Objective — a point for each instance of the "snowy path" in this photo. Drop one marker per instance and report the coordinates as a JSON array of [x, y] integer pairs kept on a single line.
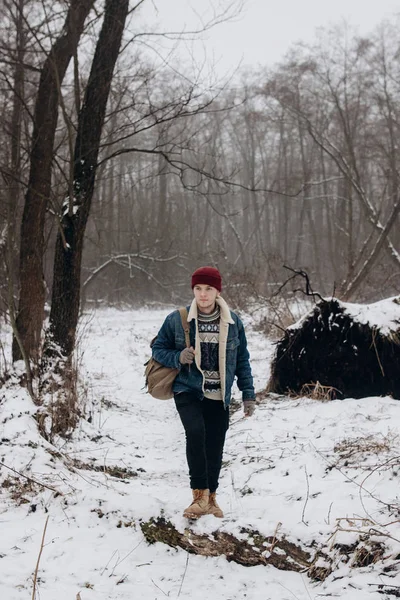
[[277, 475]]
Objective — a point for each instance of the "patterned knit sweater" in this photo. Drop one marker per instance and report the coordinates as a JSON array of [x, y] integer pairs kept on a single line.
[[209, 344]]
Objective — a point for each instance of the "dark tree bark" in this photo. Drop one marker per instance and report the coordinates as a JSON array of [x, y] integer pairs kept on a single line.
[[13, 181], [32, 290], [69, 246]]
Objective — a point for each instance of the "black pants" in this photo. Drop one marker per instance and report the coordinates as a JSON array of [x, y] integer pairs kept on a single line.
[[206, 423]]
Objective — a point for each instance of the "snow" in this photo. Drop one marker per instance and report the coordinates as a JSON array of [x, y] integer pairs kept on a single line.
[[383, 315], [318, 473]]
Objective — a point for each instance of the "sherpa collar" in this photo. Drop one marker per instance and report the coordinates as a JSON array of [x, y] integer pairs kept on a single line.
[[225, 312]]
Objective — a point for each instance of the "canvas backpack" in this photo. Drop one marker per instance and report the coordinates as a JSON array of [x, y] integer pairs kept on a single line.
[[160, 379]]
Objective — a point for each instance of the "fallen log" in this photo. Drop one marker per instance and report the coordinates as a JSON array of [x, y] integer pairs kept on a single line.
[[252, 551]]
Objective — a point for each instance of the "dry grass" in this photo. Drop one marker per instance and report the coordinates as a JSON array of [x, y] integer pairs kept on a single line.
[[354, 451], [366, 549], [62, 399], [317, 391], [367, 553], [19, 490], [111, 470]]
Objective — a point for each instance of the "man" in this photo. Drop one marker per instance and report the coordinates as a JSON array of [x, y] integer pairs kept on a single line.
[[202, 388]]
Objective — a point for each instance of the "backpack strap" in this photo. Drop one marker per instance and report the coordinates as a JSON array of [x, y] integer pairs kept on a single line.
[[184, 315]]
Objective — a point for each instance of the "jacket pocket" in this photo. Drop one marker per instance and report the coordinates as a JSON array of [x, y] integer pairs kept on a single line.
[[232, 344]]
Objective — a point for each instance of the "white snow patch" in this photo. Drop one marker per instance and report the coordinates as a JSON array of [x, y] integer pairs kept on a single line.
[[285, 470], [384, 315]]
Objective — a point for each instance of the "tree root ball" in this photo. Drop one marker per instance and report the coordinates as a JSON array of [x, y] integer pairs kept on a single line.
[[341, 350]]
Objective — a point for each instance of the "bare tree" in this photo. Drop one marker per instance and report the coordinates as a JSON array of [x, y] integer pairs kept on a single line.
[[30, 315], [67, 263], [330, 94]]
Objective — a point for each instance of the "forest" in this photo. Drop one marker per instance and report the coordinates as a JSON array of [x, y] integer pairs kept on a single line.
[[126, 163], [120, 174]]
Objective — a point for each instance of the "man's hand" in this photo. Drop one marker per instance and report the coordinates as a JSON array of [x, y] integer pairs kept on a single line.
[[249, 406], [186, 357]]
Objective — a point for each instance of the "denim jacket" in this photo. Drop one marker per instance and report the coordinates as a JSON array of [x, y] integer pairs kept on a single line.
[[233, 353]]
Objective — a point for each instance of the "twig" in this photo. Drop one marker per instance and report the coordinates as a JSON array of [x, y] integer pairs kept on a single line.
[[279, 524], [48, 487], [390, 523], [390, 585], [382, 533], [308, 495], [371, 531], [287, 589], [184, 574], [112, 556], [306, 588], [327, 520], [122, 559], [308, 291], [38, 559], [158, 587], [374, 333], [361, 486]]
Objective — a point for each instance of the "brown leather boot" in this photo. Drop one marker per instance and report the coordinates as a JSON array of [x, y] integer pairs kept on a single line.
[[213, 508], [199, 505]]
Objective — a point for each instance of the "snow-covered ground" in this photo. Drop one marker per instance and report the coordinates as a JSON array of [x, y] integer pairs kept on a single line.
[[323, 475]]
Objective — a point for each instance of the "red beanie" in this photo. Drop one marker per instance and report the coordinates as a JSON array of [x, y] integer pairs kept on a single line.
[[207, 276]]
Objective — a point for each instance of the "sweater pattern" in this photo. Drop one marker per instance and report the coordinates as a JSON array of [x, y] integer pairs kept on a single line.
[[208, 326]]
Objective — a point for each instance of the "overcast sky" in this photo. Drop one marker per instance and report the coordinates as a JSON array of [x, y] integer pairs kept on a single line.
[[264, 30]]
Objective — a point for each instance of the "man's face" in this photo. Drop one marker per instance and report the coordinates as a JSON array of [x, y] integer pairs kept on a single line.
[[205, 297]]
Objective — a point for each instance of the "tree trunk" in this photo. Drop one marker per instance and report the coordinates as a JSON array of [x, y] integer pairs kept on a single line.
[[68, 257], [252, 549], [14, 187], [32, 245]]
